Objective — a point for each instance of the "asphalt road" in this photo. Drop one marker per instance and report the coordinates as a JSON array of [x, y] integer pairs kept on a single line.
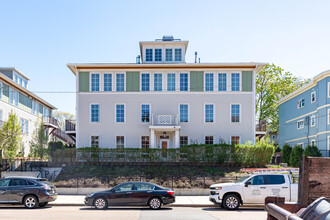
[[81, 213]]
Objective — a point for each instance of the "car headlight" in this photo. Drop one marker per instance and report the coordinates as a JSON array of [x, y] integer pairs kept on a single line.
[[90, 195], [218, 188]]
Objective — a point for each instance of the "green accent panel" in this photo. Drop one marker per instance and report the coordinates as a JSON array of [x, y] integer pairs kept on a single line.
[[5, 93], [196, 81], [247, 81], [83, 81], [25, 103], [132, 81]]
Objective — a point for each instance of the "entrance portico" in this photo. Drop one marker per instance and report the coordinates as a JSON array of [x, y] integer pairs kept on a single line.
[[161, 136]]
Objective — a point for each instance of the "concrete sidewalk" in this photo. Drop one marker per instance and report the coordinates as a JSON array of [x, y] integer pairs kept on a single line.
[[181, 201]]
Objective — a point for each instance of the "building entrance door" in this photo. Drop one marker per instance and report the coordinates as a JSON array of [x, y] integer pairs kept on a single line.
[[164, 145]]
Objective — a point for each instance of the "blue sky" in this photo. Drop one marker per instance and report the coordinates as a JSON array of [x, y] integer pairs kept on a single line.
[[41, 37]]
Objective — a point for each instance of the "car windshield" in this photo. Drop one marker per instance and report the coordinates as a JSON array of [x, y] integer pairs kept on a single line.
[[242, 179]]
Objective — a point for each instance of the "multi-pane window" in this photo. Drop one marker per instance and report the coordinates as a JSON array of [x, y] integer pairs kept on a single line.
[[235, 113], [209, 113], [235, 82], [145, 113], [148, 54], [300, 124], [120, 142], [313, 97], [183, 113], [95, 141], [313, 121], [208, 140], [20, 81], [301, 103], [145, 142], [16, 98], [107, 82], [95, 84], [171, 82], [222, 82], [16, 78], [95, 113], [24, 125], [120, 113], [34, 110], [183, 81], [209, 82], [158, 54], [120, 82], [11, 96], [158, 82], [178, 54], [169, 54], [24, 83], [234, 140], [145, 82], [183, 141]]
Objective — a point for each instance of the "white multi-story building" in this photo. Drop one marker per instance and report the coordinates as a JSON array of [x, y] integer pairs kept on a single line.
[[29, 108], [164, 102]]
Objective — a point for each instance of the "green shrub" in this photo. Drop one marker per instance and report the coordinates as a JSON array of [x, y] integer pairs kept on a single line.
[[286, 153], [277, 149], [296, 155], [312, 151]]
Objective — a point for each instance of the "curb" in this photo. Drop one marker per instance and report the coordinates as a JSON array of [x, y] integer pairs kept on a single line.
[[173, 205]]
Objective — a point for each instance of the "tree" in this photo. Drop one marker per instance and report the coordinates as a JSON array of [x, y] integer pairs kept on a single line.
[[312, 151], [39, 142], [61, 117], [10, 137], [296, 155], [286, 153], [272, 84]]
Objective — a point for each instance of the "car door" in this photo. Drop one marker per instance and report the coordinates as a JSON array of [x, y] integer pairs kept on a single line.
[[4, 183], [141, 193], [17, 189], [254, 193], [122, 195], [276, 186]]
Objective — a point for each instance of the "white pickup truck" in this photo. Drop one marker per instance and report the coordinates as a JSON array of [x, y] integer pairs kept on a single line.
[[253, 189]]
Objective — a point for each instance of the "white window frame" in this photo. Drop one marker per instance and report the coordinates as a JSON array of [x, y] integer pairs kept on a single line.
[[213, 87], [188, 140], [150, 75], [313, 125], [179, 81], [150, 115], [141, 141], [313, 93], [204, 112], [115, 111], [187, 112], [328, 89], [230, 81], [298, 124], [313, 142], [299, 104], [166, 81], [112, 82], [239, 137], [152, 53], [240, 113], [153, 79], [90, 139], [124, 141], [115, 83], [90, 113], [100, 81], [328, 116], [209, 136], [227, 82]]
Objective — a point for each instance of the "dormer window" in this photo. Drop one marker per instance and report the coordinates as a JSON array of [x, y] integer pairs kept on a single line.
[[158, 54], [169, 54], [178, 54], [148, 54]]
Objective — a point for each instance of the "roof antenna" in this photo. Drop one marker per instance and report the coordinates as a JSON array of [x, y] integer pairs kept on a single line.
[[138, 59], [195, 56]]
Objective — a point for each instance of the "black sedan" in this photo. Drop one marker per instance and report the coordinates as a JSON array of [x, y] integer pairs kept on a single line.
[[132, 194]]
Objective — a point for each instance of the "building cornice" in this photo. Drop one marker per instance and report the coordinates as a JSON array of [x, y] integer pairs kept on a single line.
[[107, 66], [306, 87]]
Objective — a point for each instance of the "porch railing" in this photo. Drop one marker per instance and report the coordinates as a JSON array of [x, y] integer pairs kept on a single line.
[[164, 120]]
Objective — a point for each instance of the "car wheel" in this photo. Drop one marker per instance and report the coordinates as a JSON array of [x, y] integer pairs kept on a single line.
[[31, 202], [43, 204], [100, 203], [231, 202], [155, 203]]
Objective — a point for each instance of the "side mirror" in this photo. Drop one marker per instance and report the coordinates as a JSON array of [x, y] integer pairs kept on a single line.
[[247, 183], [114, 190]]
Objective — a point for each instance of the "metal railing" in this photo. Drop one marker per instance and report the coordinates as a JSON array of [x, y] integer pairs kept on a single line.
[[164, 120], [69, 126], [51, 120], [63, 136]]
